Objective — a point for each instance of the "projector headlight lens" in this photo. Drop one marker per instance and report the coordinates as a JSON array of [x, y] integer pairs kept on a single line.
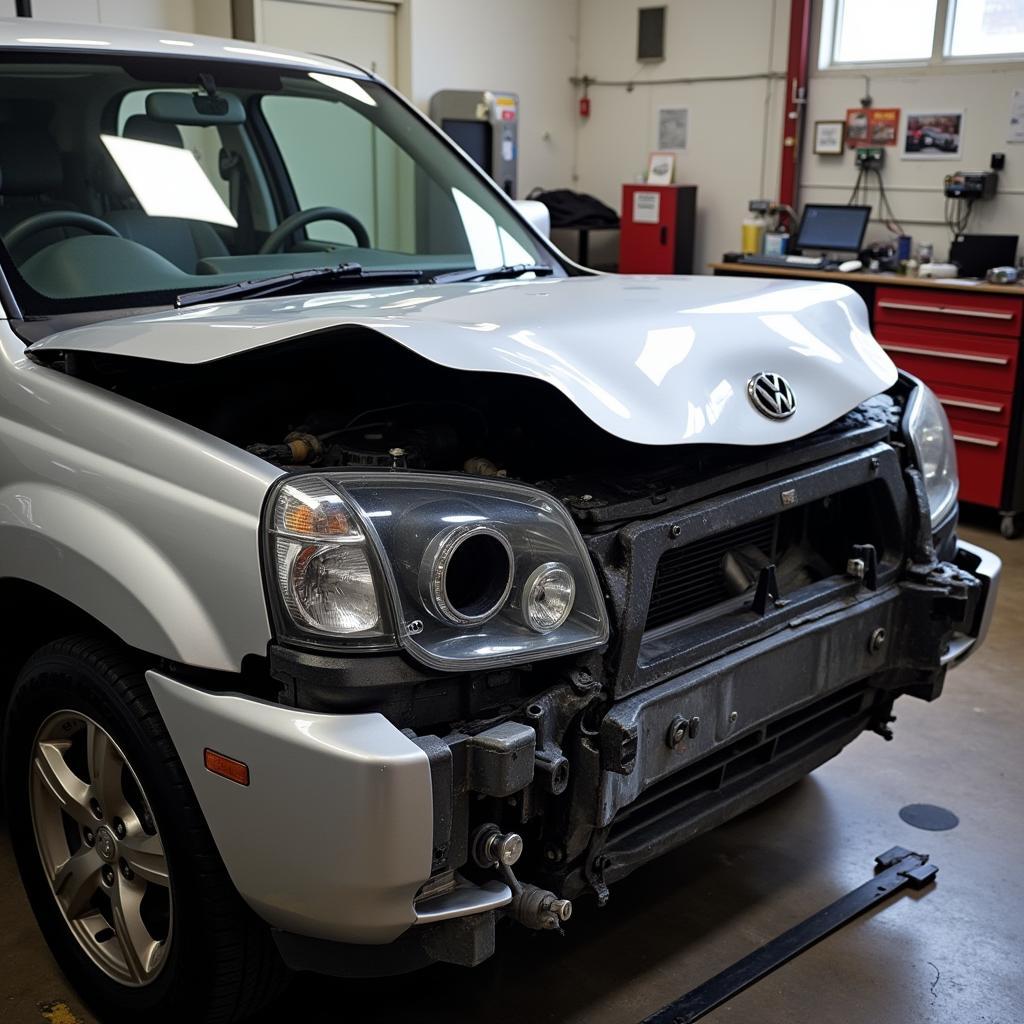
[[548, 597]]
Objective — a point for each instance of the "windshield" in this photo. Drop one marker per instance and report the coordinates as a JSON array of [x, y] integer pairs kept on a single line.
[[125, 182]]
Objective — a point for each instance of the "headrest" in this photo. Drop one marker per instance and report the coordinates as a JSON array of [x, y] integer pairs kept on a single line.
[[29, 161], [146, 129]]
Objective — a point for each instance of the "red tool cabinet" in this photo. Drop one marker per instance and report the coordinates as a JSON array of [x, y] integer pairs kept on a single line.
[[658, 223], [965, 347]]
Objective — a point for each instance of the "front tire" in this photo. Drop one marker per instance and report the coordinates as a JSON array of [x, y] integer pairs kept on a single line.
[[118, 863]]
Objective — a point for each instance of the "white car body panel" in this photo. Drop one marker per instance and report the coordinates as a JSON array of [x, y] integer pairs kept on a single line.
[[652, 360]]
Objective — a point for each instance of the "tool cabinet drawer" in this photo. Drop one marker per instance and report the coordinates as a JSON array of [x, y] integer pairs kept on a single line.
[[990, 408], [981, 460], [974, 361], [935, 309]]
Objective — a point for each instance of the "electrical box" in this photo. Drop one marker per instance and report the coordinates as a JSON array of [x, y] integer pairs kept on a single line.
[[870, 157], [484, 124], [971, 185]]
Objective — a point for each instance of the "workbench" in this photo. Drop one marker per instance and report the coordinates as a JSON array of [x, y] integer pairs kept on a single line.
[[962, 338]]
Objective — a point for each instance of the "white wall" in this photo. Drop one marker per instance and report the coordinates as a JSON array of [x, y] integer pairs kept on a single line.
[[211, 17], [732, 153], [521, 46], [914, 187]]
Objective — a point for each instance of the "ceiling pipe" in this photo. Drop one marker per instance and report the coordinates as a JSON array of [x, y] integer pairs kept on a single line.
[[796, 99]]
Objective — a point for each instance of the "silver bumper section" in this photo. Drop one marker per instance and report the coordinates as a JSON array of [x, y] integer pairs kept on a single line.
[[332, 837], [987, 567]]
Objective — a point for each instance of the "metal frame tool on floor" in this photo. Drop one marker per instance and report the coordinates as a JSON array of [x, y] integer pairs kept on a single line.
[[895, 871]]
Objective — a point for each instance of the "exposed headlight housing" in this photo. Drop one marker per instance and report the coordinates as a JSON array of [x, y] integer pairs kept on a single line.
[[928, 430], [463, 573]]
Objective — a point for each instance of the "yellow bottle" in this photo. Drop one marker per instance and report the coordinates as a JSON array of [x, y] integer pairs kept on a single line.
[[753, 234]]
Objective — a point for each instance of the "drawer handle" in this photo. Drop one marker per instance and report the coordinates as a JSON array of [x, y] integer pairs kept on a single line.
[[961, 403], [939, 353], [984, 442], [984, 314]]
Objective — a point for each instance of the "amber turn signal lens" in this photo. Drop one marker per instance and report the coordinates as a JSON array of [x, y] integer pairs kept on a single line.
[[226, 767]]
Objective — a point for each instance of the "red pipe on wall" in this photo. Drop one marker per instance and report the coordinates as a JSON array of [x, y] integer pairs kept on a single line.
[[796, 98]]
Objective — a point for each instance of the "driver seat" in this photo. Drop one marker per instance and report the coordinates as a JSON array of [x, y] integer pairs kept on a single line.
[[183, 242], [31, 175]]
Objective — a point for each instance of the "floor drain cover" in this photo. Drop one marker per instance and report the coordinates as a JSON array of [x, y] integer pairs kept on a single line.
[[930, 817]]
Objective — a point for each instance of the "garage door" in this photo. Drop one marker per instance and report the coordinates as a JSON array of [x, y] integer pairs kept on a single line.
[[360, 32]]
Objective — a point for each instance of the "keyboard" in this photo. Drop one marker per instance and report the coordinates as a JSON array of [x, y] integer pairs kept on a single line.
[[797, 262]]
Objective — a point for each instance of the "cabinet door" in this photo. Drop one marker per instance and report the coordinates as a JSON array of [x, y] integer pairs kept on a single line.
[[648, 247]]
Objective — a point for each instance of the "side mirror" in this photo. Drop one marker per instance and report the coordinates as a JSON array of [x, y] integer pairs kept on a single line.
[[536, 213]]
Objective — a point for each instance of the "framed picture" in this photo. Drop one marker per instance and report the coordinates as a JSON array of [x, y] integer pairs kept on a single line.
[[661, 168], [933, 136], [828, 137]]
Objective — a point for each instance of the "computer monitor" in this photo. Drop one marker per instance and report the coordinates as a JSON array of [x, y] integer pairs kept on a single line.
[[833, 228]]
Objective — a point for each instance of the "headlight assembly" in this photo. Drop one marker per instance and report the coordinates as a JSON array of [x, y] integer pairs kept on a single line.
[[928, 431], [463, 573]]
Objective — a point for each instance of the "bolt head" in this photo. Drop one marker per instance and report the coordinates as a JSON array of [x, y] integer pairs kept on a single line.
[[107, 874], [119, 828], [89, 837], [126, 871], [733, 715], [877, 640], [675, 530], [678, 731], [510, 849]]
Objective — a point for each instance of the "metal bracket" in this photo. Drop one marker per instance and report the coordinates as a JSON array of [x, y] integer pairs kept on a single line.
[[895, 870]]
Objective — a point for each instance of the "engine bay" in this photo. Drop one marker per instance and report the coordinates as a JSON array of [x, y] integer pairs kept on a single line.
[[354, 400]]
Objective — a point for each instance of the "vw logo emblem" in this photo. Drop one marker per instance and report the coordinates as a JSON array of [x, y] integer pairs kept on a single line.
[[771, 395]]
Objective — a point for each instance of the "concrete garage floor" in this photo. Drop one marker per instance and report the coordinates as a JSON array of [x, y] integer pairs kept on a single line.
[[952, 955]]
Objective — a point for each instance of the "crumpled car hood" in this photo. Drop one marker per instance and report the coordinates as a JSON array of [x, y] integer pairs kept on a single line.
[[654, 360]]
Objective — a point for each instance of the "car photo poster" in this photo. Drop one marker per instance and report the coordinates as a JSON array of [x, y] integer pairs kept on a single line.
[[933, 136]]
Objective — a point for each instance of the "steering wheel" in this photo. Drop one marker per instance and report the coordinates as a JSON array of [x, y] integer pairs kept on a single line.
[[57, 219], [291, 224]]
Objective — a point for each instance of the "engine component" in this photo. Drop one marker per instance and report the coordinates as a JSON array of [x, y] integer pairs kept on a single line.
[[479, 466], [299, 449]]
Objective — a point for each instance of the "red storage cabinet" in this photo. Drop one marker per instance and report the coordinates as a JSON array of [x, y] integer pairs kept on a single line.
[[657, 232], [965, 347]]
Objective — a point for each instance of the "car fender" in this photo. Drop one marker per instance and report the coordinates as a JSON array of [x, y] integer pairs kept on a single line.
[[84, 553], [148, 524]]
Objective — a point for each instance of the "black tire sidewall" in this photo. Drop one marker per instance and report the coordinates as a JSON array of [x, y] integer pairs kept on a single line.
[[54, 682]]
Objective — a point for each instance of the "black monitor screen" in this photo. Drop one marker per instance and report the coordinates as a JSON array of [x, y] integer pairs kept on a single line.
[[836, 228], [473, 136]]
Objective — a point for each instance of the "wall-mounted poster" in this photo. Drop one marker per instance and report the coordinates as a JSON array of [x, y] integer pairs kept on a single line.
[[933, 136], [673, 123], [872, 126], [885, 122]]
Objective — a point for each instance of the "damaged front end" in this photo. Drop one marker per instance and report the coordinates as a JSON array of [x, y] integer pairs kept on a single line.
[[761, 618]]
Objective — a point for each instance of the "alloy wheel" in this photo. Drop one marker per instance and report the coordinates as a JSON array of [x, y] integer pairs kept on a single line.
[[100, 848]]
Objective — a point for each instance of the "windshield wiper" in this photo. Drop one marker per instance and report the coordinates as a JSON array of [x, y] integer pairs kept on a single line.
[[271, 285], [492, 274]]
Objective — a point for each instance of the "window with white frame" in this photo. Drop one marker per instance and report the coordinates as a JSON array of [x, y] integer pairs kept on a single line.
[[895, 32]]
